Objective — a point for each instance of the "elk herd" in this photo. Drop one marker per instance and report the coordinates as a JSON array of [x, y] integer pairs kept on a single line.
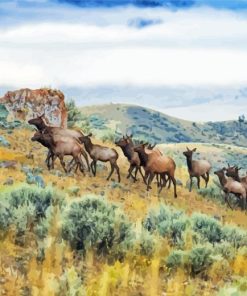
[[61, 142]]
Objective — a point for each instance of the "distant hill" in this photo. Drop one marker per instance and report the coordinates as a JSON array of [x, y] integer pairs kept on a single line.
[[157, 127]]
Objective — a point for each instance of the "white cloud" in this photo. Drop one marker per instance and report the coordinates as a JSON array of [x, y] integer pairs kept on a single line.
[[193, 47]]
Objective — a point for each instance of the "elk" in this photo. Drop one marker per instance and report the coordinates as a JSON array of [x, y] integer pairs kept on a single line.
[[229, 185], [61, 146], [197, 168], [156, 163], [42, 126], [233, 172], [101, 153], [127, 146]]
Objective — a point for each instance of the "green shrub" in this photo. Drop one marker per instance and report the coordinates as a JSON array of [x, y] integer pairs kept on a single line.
[[167, 222], [5, 218], [211, 192], [93, 223], [27, 209], [234, 235], [147, 244], [176, 258], [226, 250], [200, 259], [209, 228]]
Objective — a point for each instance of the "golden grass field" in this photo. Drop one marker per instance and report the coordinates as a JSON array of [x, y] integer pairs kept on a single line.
[[63, 273]]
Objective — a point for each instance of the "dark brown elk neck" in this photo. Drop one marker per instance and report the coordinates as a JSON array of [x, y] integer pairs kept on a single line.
[[88, 145], [128, 151], [41, 126], [222, 179], [143, 157], [46, 143], [236, 177], [189, 163]]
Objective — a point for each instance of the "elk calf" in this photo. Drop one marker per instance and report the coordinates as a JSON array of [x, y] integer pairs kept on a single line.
[[101, 153], [197, 168]]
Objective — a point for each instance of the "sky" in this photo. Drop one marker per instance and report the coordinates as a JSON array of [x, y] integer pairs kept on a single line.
[[186, 58]]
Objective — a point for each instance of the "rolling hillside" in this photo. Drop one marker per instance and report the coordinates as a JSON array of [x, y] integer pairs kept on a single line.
[[157, 127]]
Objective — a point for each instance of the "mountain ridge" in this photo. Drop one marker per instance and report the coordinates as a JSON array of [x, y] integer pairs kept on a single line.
[[158, 127]]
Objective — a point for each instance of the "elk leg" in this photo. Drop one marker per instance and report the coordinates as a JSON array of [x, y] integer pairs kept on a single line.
[[227, 200], [146, 180], [174, 182], [143, 177], [62, 163], [150, 179], [118, 172], [170, 181], [47, 161], [158, 180], [71, 165], [54, 157], [92, 168], [83, 152], [206, 178], [190, 184], [80, 164], [111, 172], [207, 175], [131, 168], [198, 182]]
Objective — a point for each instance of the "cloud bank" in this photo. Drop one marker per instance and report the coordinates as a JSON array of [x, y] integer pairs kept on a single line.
[[123, 47]]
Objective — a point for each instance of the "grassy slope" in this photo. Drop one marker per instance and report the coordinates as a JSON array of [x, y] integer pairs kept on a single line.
[[132, 198], [161, 128]]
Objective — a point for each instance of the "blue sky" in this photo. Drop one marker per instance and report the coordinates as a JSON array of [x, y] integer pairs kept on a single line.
[[178, 56]]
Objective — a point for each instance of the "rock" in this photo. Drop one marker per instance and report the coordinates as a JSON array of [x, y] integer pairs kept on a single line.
[[24, 104], [9, 181], [39, 181], [8, 164], [4, 142]]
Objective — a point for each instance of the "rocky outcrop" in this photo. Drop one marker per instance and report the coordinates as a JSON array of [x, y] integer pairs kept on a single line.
[[25, 104]]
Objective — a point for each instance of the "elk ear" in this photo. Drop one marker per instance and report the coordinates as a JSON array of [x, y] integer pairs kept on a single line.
[[90, 135], [187, 149], [194, 150], [131, 136], [228, 164], [238, 168], [224, 169], [145, 144]]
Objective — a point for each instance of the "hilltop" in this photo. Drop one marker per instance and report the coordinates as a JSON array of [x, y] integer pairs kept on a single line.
[[157, 127]]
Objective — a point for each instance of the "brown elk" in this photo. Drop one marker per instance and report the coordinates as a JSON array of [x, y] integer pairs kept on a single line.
[[156, 163], [127, 146], [197, 168], [42, 126], [229, 185], [61, 146], [233, 172], [101, 153]]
